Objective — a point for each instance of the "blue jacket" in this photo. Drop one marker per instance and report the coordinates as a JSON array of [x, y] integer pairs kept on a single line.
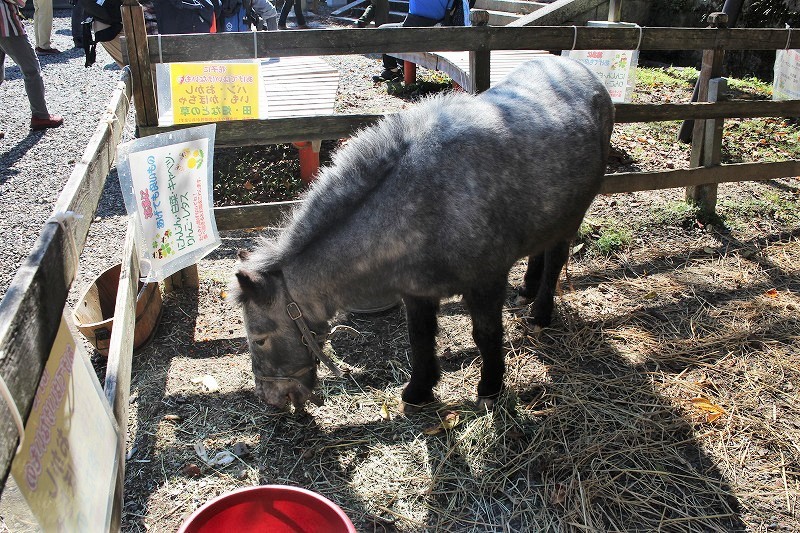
[[432, 9]]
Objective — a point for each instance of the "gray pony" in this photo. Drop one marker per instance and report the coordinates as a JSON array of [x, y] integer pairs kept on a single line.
[[438, 200]]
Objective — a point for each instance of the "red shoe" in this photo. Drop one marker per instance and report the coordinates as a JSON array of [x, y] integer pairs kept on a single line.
[[51, 121], [47, 50]]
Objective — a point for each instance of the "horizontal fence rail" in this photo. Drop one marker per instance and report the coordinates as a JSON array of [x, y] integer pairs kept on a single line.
[[249, 45]]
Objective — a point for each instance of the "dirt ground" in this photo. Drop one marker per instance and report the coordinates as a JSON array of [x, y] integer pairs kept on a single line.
[[663, 397]]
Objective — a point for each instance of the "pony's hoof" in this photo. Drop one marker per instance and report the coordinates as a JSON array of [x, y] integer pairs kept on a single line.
[[411, 408], [486, 404]]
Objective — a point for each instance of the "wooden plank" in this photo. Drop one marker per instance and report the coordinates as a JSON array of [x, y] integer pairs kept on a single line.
[[704, 110], [253, 216], [479, 71], [120, 355], [348, 7], [239, 45], [558, 12], [650, 181], [135, 37], [30, 312], [279, 131]]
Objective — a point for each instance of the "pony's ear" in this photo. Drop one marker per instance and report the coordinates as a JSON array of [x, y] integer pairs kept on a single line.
[[243, 255], [253, 286]]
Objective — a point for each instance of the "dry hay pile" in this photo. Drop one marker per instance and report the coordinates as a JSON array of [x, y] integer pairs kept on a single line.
[[664, 397]]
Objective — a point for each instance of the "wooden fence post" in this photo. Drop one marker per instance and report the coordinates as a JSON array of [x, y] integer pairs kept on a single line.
[[479, 60], [144, 92], [614, 10], [705, 196]]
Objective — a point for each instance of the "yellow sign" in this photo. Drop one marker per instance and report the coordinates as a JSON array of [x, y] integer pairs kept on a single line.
[[68, 463], [206, 92]]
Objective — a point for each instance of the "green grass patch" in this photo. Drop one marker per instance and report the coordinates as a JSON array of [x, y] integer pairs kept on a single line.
[[604, 236]]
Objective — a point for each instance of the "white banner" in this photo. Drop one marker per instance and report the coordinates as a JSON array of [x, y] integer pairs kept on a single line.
[[167, 183], [786, 83]]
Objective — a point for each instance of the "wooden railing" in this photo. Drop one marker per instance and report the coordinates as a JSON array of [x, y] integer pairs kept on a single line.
[[31, 310]]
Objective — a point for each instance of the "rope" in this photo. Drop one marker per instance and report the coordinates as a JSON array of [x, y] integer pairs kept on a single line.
[[575, 37], [788, 37], [61, 218], [12, 407], [639, 44]]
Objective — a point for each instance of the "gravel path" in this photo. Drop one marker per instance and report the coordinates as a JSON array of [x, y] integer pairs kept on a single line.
[[35, 165]]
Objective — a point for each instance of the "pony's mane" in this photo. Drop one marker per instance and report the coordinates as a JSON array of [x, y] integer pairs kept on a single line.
[[359, 167]]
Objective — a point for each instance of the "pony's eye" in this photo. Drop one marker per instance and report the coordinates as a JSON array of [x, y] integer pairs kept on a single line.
[[260, 342]]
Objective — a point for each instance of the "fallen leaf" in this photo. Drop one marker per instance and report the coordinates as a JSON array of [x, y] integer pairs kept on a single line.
[[209, 382], [708, 250], [223, 294], [652, 295], [240, 449], [248, 185], [222, 458], [201, 452], [559, 494], [173, 418], [713, 411], [772, 293], [191, 470], [451, 420], [385, 414], [577, 248]]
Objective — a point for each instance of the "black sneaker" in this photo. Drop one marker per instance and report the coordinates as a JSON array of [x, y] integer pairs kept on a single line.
[[394, 74]]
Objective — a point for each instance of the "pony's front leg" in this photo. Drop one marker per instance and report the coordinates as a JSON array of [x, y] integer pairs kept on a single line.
[[425, 372], [485, 305]]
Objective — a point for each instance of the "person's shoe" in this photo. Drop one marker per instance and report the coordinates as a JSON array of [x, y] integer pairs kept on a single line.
[[281, 26], [51, 121], [301, 26], [393, 74], [47, 50], [360, 23]]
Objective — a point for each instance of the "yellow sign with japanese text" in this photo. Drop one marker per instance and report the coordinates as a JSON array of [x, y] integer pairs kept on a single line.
[[67, 467], [214, 92]]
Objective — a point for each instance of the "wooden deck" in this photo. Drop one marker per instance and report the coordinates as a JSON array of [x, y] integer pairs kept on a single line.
[[300, 86], [456, 64]]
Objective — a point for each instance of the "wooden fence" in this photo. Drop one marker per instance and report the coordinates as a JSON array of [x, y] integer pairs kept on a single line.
[[31, 310]]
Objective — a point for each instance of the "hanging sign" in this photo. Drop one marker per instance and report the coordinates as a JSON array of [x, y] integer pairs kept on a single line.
[[615, 68], [214, 92], [67, 466], [786, 82], [167, 184]]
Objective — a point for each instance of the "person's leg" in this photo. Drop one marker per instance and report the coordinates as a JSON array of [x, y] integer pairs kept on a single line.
[[299, 19], [367, 17], [287, 7], [77, 29], [43, 23], [20, 50]]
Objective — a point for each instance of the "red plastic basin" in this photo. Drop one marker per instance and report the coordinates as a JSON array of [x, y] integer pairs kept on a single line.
[[273, 508]]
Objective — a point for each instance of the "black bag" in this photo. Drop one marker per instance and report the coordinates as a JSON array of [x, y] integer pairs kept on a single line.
[[454, 15], [108, 12]]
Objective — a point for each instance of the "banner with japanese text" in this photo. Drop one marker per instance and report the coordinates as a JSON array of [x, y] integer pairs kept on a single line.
[[786, 82], [214, 92], [167, 183], [67, 466], [615, 68]]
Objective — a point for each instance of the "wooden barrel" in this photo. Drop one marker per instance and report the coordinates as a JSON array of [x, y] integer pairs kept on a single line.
[[94, 315]]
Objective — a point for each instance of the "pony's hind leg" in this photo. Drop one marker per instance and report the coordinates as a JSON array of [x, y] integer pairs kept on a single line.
[[532, 279], [554, 260], [485, 305], [425, 372]]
